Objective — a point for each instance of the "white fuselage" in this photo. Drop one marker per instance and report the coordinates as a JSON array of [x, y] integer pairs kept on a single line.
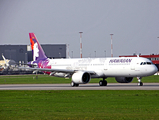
[[108, 67]]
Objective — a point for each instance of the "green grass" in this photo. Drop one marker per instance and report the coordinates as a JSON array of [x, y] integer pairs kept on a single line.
[[109, 104], [31, 79], [45, 79], [46, 105]]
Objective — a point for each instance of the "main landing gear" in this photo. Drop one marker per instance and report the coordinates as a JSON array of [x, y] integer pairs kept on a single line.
[[74, 84], [103, 82], [139, 80]]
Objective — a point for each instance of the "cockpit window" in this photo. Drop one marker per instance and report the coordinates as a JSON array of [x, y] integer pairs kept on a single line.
[[145, 63], [148, 63]]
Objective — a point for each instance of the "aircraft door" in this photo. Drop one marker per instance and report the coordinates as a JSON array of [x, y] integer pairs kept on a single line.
[[132, 66], [105, 65]]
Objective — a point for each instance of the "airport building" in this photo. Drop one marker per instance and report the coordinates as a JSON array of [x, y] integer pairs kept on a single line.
[[154, 58], [23, 53]]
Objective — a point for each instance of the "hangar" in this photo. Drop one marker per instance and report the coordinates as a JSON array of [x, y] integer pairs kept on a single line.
[[23, 53]]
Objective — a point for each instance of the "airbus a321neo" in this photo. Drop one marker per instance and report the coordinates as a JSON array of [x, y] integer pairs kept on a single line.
[[124, 69]]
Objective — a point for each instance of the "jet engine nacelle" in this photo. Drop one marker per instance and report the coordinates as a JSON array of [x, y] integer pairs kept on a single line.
[[58, 74], [81, 77], [124, 79]]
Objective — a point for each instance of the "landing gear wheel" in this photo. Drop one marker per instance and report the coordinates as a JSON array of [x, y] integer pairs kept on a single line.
[[139, 81], [102, 83], [74, 84], [140, 84]]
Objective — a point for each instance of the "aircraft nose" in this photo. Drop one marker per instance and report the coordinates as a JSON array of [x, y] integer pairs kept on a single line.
[[155, 69]]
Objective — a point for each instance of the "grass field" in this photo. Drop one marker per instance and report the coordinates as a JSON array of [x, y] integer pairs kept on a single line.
[[111, 105], [45, 79], [70, 105]]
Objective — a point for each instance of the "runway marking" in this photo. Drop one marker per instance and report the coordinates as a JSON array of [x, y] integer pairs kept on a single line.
[[90, 86]]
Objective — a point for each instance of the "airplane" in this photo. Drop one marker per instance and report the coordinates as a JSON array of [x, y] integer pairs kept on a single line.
[[81, 70], [6, 65]]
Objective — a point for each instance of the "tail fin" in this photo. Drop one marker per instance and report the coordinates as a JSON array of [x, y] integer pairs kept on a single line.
[[5, 61], [37, 50]]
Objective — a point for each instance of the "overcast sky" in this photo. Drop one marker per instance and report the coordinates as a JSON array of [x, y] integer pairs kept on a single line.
[[134, 23]]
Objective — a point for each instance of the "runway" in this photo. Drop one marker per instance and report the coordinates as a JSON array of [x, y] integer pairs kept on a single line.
[[90, 86]]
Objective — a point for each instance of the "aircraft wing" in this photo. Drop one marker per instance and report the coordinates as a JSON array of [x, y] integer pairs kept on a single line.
[[58, 70]]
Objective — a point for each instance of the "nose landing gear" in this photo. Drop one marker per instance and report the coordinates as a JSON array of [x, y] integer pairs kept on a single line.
[[139, 81]]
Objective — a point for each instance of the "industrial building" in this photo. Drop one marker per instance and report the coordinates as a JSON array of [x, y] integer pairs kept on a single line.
[[23, 53]]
